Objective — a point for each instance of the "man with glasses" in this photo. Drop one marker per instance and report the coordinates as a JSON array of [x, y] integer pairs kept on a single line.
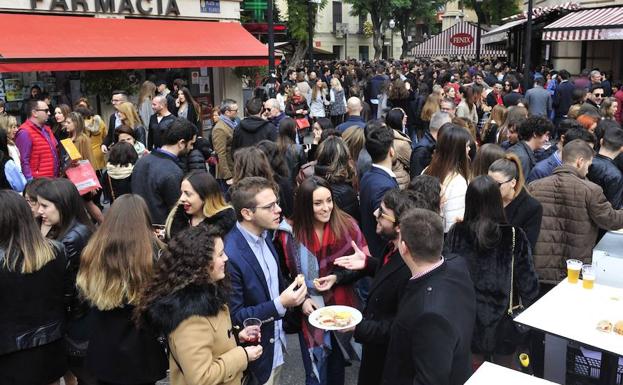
[[36, 143], [593, 101], [448, 106], [258, 287], [494, 98], [273, 112], [222, 136], [118, 97]]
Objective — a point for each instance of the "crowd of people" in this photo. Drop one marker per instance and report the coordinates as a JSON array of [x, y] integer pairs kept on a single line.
[[434, 196]]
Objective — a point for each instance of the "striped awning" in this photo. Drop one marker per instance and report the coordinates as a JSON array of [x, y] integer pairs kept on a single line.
[[501, 33], [587, 24], [456, 41]]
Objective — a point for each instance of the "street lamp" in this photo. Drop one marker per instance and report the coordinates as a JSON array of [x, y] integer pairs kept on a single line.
[[478, 33], [528, 48], [392, 25]]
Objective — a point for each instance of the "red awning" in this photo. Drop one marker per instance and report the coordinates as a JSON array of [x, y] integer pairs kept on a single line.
[[71, 43], [587, 24]]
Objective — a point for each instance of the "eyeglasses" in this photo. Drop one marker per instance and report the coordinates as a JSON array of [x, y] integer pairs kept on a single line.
[[116, 100], [598, 95], [43, 109], [236, 110], [382, 213], [270, 207], [501, 183]]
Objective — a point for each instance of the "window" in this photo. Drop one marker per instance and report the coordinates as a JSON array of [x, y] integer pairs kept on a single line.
[[362, 21], [337, 13], [364, 52], [337, 52]]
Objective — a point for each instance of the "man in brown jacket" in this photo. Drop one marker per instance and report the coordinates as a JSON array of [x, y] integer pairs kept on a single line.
[[574, 209], [222, 135]]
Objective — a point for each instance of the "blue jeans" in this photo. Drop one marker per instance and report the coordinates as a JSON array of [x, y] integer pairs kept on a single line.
[[331, 373]]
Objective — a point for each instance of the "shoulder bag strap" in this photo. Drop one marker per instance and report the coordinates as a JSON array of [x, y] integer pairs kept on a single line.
[[112, 190], [510, 303]]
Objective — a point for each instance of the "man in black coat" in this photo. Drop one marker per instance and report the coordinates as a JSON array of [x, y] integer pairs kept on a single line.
[[114, 121], [391, 276], [253, 129], [563, 97], [423, 151], [604, 171], [159, 122], [431, 335]]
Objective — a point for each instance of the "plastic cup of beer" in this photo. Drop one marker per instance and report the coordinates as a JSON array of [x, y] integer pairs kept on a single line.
[[573, 270], [588, 276]]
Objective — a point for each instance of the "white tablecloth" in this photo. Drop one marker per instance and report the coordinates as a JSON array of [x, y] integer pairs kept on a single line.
[[492, 374], [572, 312]]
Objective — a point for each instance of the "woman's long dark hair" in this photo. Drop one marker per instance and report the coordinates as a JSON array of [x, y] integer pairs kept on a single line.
[[191, 102], [484, 211], [450, 155], [68, 202], [303, 217], [185, 262]]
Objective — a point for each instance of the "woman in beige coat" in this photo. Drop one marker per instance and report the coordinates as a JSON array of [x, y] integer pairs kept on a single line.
[[397, 119], [188, 302]]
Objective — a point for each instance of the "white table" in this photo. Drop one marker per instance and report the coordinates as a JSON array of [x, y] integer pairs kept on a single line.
[[488, 374], [572, 312]]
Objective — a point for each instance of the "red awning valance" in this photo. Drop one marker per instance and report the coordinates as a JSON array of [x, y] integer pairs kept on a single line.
[[87, 43]]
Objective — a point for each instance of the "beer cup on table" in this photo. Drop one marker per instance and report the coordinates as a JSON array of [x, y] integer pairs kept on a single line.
[[588, 276], [253, 326], [573, 270]]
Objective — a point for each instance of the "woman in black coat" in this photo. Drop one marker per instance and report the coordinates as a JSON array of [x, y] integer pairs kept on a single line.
[[33, 283], [113, 270], [63, 216], [497, 254], [201, 204], [334, 165], [521, 209]]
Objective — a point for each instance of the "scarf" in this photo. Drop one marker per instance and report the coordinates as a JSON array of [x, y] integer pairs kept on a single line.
[[231, 123], [313, 262], [119, 172]]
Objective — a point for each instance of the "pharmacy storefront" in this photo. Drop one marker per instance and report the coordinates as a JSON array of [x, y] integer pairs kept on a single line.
[[74, 48]]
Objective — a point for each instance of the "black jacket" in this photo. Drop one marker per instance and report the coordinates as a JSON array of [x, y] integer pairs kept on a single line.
[[491, 273], [251, 131], [606, 174], [224, 219], [511, 99], [156, 178], [422, 154], [157, 129], [525, 155], [431, 334], [109, 139], [193, 161], [373, 332], [563, 98], [119, 352], [344, 195], [45, 292], [526, 213]]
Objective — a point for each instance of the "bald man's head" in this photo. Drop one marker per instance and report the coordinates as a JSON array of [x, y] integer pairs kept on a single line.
[[354, 106]]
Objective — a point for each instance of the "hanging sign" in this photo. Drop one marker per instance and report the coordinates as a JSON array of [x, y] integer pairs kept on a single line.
[[461, 39]]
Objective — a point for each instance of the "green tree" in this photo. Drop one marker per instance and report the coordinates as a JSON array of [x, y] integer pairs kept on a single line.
[[298, 25], [408, 16], [493, 11], [380, 12]]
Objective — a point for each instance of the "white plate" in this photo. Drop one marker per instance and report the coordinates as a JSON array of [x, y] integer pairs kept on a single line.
[[356, 317]]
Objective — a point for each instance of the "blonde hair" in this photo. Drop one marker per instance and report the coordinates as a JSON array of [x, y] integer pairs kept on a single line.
[[355, 139], [430, 107], [131, 116], [25, 249], [336, 84], [116, 265], [6, 121]]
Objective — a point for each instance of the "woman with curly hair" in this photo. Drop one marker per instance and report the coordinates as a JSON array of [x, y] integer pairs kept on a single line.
[[113, 269], [187, 301]]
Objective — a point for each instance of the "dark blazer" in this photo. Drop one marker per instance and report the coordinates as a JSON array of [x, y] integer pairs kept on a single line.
[[526, 213], [563, 98], [119, 352], [110, 135], [250, 297], [431, 334], [374, 184], [422, 154], [525, 155], [373, 332], [157, 129]]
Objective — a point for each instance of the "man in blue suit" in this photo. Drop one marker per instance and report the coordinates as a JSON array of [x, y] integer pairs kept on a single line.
[[258, 288], [376, 182]]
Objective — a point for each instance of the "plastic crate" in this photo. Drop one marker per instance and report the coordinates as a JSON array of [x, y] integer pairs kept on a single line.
[[583, 370]]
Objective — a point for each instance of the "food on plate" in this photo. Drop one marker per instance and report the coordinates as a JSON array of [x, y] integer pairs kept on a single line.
[[604, 326], [329, 317], [618, 327]]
